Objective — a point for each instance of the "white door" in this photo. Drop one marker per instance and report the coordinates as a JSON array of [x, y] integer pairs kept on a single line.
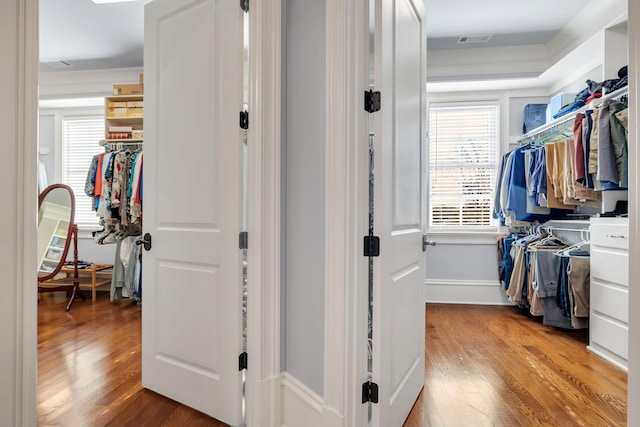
[[400, 141], [192, 276]]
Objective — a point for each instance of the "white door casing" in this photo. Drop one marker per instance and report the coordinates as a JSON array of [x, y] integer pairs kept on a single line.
[[400, 175], [192, 276]]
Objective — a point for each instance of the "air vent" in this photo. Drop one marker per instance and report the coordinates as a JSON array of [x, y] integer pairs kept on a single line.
[[57, 65], [475, 39]]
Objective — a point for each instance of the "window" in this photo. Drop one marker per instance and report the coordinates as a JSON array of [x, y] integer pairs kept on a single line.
[[463, 161], [80, 142]]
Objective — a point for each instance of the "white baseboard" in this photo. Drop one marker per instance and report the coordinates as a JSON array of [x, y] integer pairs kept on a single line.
[[609, 356], [302, 407], [480, 292], [266, 413]]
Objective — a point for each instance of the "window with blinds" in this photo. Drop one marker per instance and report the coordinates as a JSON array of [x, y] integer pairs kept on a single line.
[[463, 160], [80, 142]]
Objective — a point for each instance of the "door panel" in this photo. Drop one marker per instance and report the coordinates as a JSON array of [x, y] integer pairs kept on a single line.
[[407, 78], [192, 276], [399, 302]]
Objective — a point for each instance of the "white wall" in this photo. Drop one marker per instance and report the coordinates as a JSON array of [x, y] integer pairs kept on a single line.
[[581, 83], [304, 129], [46, 145]]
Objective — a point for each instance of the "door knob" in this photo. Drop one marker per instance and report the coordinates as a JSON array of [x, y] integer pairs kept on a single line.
[[145, 242], [426, 242]]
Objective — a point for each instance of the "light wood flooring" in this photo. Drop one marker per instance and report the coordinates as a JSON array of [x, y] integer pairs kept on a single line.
[[496, 366], [485, 366]]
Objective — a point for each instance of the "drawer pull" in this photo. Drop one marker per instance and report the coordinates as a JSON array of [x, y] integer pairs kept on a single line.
[[613, 236]]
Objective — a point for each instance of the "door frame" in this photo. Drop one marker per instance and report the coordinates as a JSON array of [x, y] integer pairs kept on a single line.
[[263, 387], [264, 195], [346, 211], [633, 383], [25, 172]]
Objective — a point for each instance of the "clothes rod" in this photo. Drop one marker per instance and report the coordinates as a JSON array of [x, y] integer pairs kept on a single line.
[[571, 116], [579, 230], [124, 141], [120, 145]]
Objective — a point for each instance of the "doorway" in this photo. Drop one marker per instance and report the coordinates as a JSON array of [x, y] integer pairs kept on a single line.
[[263, 272]]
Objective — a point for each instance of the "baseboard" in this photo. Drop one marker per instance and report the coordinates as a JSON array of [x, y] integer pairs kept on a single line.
[[479, 292], [609, 356], [265, 412], [303, 407]]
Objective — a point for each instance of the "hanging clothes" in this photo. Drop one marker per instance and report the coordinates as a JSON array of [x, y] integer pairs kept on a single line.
[[114, 181], [546, 276]]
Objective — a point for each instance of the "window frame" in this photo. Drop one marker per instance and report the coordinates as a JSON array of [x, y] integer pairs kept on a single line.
[[468, 234]]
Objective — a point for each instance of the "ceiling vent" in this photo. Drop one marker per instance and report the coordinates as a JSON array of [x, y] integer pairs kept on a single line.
[[474, 39], [58, 65]]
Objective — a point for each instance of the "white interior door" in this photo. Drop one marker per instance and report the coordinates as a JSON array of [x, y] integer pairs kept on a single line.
[[400, 141], [192, 276]]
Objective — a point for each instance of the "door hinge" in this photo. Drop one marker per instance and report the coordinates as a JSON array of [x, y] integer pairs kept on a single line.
[[369, 392], [371, 246], [244, 4], [372, 101], [244, 119], [243, 239], [242, 361]]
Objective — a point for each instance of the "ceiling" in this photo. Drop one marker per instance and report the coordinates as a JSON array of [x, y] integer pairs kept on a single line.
[[510, 22], [90, 36], [81, 35]]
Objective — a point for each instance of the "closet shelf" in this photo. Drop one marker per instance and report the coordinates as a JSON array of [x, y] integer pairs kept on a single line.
[[124, 141], [571, 116]]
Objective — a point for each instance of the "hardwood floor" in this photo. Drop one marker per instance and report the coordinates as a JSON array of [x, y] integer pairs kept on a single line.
[[495, 366], [89, 368], [485, 366]]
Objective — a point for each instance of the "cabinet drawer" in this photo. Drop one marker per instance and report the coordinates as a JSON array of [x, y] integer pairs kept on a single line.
[[610, 335], [611, 234], [613, 302], [610, 266]]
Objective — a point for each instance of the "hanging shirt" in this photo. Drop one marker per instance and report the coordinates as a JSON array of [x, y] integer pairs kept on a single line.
[[606, 158], [579, 148]]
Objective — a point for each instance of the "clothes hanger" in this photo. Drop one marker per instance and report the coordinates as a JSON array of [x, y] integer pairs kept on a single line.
[[571, 249], [584, 235]]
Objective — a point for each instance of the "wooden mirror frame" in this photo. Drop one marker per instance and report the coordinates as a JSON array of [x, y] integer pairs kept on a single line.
[[72, 289], [65, 251]]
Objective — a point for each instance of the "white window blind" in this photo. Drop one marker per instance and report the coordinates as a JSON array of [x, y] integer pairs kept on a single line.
[[80, 142], [463, 159]]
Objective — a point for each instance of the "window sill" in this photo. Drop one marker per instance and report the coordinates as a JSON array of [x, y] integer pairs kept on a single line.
[[463, 237]]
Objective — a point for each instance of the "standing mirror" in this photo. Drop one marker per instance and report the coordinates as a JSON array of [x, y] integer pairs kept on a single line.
[[56, 229]]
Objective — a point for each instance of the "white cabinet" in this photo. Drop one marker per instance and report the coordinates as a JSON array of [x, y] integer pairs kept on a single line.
[[609, 299]]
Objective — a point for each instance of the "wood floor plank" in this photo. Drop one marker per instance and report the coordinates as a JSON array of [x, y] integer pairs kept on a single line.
[[89, 368], [484, 366], [508, 369]]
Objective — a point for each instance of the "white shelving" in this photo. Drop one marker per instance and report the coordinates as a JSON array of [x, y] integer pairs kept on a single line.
[[124, 116]]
